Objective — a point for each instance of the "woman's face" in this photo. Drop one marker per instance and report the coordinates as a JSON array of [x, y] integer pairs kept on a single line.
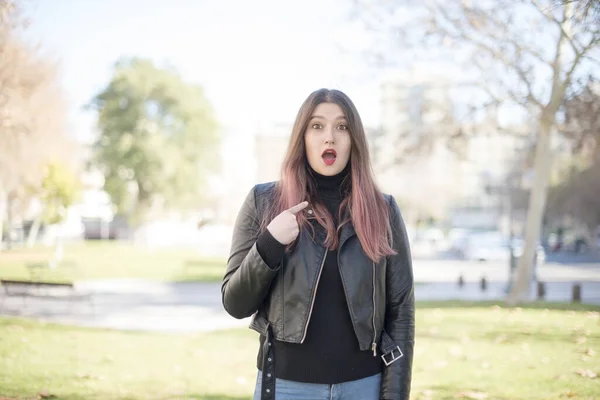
[[327, 140]]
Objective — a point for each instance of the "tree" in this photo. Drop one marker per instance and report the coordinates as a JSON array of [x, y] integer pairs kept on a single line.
[[526, 53], [582, 120], [585, 8], [59, 189], [32, 115], [577, 194], [578, 198], [158, 139]]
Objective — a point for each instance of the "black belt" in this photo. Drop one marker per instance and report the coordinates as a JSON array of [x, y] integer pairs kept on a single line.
[[268, 368]]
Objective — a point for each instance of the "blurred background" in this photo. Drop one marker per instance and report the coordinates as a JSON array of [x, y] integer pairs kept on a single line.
[[131, 132]]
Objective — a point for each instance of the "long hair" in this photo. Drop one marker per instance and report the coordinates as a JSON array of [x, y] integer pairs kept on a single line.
[[367, 207]]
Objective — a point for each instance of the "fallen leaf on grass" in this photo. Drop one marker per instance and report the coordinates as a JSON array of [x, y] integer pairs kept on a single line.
[[589, 352], [472, 395], [586, 373], [424, 395], [500, 339], [577, 328], [581, 340], [83, 375], [593, 314], [45, 394], [568, 394]]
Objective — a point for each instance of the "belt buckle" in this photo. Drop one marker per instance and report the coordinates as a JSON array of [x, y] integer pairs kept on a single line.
[[394, 358]]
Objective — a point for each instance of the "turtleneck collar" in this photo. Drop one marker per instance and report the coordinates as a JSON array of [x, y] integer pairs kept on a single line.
[[330, 185]]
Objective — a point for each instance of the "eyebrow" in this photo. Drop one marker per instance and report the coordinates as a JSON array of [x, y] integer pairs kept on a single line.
[[320, 116]]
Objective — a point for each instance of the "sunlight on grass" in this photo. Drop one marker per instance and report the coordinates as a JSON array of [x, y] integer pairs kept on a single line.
[[109, 260], [461, 352]]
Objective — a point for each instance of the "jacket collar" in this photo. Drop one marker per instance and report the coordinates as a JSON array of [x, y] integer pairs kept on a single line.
[[346, 232]]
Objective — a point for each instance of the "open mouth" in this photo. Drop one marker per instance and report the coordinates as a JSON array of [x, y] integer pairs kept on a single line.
[[329, 156]]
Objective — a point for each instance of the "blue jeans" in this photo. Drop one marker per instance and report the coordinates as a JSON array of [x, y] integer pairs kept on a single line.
[[361, 389]]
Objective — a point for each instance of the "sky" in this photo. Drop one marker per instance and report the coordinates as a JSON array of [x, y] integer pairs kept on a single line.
[[257, 60]]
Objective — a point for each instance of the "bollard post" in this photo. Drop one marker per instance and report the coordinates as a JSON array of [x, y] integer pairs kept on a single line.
[[461, 281], [483, 284], [541, 290], [576, 298]]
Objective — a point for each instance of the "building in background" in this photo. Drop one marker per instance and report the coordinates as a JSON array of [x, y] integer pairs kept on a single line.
[[270, 147], [456, 183], [236, 178]]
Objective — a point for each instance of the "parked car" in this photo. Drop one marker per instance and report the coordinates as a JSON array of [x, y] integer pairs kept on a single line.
[[458, 239], [494, 246]]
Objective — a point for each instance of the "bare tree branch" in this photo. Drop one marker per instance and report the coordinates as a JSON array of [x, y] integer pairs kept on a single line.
[[593, 42], [496, 54], [498, 37], [560, 25]]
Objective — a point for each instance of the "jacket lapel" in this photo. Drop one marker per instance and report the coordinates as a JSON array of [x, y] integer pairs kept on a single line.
[[347, 230]]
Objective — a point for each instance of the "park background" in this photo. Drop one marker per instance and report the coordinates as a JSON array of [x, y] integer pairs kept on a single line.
[[131, 131]]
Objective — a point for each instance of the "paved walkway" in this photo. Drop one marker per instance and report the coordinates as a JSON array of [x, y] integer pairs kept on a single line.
[[195, 307], [131, 305]]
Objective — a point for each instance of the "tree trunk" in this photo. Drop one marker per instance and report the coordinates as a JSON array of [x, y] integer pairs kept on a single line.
[[535, 212], [9, 224], [33, 231]]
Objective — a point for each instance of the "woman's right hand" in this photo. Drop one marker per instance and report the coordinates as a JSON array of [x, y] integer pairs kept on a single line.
[[284, 227]]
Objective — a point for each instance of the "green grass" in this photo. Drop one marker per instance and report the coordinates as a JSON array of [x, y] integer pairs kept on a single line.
[[462, 350], [107, 260]]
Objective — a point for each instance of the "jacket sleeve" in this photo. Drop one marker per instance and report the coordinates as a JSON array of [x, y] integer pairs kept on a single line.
[[400, 311], [248, 278]]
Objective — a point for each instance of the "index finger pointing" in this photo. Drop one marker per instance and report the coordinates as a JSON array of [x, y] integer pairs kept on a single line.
[[298, 207]]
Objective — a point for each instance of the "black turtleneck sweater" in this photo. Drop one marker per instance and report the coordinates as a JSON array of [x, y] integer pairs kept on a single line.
[[330, 353]]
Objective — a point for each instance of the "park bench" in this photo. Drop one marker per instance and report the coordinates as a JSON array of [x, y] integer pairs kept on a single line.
[[38, 287], [26, 285]]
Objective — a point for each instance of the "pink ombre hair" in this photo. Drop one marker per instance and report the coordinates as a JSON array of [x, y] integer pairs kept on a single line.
[[368, 208]]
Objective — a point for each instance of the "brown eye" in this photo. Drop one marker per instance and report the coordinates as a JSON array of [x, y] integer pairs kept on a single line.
[[316, 126], [343, 127]]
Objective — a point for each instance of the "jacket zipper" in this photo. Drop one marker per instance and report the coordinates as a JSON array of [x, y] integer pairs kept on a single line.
[[312, 303], [374, 345]]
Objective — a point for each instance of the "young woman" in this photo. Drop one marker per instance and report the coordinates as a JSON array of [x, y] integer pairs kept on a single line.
[[321, 261]]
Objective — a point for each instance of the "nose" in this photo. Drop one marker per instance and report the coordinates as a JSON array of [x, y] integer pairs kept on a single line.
[[329, 136]]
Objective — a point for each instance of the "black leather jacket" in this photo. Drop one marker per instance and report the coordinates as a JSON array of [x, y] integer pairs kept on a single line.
[[380, 296]]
